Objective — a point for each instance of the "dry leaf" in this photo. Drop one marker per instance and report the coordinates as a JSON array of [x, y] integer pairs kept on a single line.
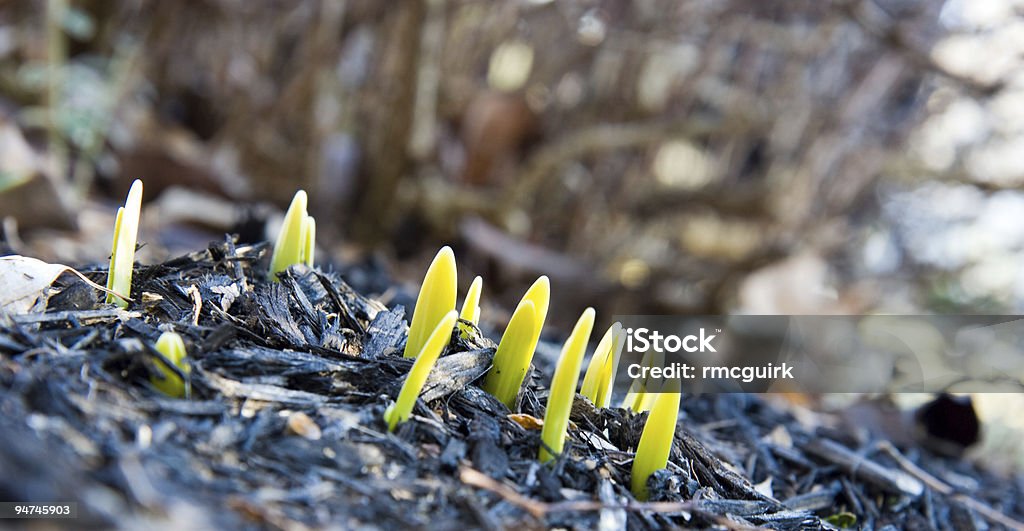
[[528, 422], [24, 279]]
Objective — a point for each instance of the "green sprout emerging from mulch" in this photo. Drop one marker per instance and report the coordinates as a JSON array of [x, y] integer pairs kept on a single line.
[[518, 343], [122, 251], [296, 241], [425, 359], [173, 368]]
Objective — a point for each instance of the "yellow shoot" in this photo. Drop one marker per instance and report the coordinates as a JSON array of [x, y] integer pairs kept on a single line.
[[173, 348], [600, 375], [399, 411], [540, 295], [436, 299], [656, 439], [563, 387], [618, 341], [510, 364], [122, 253], [508, 371], [309, 246], [296, 240], [646, 401], [638, 399], [634, 393], [471, 306]]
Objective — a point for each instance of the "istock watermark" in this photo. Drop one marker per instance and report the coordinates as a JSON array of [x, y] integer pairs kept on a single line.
[[822, 354], [643, 339]]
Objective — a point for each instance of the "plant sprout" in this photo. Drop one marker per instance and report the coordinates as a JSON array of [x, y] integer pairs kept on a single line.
[[656, 439], [168, 382], [436, 299], [516, 344], [540, 295], [296, 241], [122, 253], [563, 387], [637, 398], [471, 307], [597, 382], [521, 336], [400, 410], [309, 248]]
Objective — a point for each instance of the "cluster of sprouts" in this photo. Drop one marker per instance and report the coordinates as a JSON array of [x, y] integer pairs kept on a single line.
[[170, 372], [434, 322]]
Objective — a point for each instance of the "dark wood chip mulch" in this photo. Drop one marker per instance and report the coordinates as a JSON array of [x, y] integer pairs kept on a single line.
[[80, 422]]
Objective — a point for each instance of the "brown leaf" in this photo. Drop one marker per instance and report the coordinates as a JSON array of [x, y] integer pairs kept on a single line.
[[528, 422]]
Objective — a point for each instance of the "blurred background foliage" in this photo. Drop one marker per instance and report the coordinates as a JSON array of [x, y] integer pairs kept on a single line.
[[650, 156]]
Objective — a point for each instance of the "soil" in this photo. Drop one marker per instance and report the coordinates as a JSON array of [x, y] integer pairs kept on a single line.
[[283, 427]]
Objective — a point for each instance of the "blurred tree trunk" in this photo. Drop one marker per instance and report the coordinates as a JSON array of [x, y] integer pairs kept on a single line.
[[388, 122]]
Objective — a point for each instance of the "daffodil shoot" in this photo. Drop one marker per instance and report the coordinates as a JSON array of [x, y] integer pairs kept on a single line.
[[563, 387], [471, 306], [656, 440], [540, 295], [308, 254], [436, 299], [521, 336], [122, 253], [600, 375], [400, 410], [296, 241], [172, 347], [513, 355], [637, 398]]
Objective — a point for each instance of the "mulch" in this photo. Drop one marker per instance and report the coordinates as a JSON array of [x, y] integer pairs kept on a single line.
[[284, 430]]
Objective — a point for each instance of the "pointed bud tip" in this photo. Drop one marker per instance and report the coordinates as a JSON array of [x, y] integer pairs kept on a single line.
[[444, 256], [134, 193], [542, 283]]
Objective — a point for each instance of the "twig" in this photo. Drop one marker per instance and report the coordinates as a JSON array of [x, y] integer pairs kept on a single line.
[[894, 481], [988, 512], [81, 316], [475, 478], [538, 509], [933, 482], [942, 488]]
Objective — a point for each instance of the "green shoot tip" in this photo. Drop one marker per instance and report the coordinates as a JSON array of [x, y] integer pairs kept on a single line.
[[435, 300], [296, 241], [172, 347]]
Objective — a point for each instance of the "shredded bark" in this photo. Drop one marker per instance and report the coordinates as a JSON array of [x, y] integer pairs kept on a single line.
[[284, 429]]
